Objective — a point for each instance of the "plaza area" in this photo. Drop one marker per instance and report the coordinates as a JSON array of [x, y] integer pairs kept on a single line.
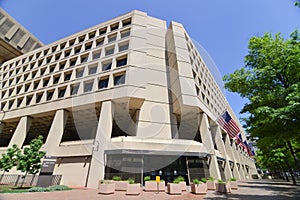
[[248, 190]]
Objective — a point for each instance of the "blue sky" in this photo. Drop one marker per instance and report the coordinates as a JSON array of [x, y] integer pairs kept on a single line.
[[223, 28]]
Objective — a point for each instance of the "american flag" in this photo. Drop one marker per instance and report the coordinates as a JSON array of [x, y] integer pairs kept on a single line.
[[228, 124]]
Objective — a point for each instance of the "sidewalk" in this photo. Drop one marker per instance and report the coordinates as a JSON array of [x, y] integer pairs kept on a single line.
[[248, 190]]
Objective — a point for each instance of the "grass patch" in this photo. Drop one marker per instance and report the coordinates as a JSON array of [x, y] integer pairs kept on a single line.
[[13, 189]]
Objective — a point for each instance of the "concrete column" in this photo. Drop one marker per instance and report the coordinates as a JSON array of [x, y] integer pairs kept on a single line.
[[56, 131], [216, 132], [21, 131], [102, 141], [233, 158], [207, 140], [240, 161]]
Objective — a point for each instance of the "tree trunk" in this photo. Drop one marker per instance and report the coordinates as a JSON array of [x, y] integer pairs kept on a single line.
[[291, 172], [2, 176], [24, 179], [294, 154]]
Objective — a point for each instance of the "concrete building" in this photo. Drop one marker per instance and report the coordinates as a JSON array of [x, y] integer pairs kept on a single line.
[[127, 97]]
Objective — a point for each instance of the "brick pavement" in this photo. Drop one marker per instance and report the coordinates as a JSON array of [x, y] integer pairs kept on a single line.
[[257, 190]]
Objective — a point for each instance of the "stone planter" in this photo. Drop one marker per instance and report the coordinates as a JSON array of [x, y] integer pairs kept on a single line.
[[152, 186], [121, 185], [233, 185], [182, 185], [106, 188], [211, 185], [173, 188], [199, 188], [223, 187], [133, 189]]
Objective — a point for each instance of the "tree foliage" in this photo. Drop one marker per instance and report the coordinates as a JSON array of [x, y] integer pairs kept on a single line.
[[270, 80], [30, 160], [9, 160]]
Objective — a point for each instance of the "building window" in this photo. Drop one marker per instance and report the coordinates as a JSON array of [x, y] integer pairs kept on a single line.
[[71, 42], [77, 50], [27, 87], [42, 71], [68, 76], [106, 65], [125, 33], [56, 79], [10, 104], [119, 79], [96, 55], [81, 39], [126, 22], [45, 82], [63, 45], [67, 53], [74, 89], [88, 86], [38, 97], [52, 68], [49, 95], [79, 72], [84, 59], [61, 92], [28, 100], [103, 83], [19, 101], [88, 46], [114, 26], [109, 51], [121, 61], [99, 42], [102, 31], [72, 62], [123, 46], [92, 35], [36, 84], [112, 37], [93, 69]]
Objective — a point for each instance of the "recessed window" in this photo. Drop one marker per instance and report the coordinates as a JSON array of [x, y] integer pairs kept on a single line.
[[33, 74], [36, 84], [67, 53], [38, 97], [126, 22], [62, 65], [102, 31], [96, 55], [28, 100], [27, 87], [77, 50], [106, 65], [51, 69], [88, 46], [109, 51], [68, 76], [54, 48], [56, 79], [103, 83], [125, 33], [50, 95], [88, 86], [10, 104], [114, 26], [79, 72], [45, 82], [74, 89], [10, 92], [61, 92], [26, 76], [121, 61], [72, 62], [46, 51], [62, 45], [123, 46], [84, 59], [71, 42], [112, 37], [42, 71], [19, 101], [99, 42], [93, 69], [48, 60], [3, 105], [18, 89], [92, 35], [81, 39], [119, 79]]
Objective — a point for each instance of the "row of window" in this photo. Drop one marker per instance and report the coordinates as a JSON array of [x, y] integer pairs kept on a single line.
[[71, 62], [70, 43], [61, 92], [72, 74], [122, 46]]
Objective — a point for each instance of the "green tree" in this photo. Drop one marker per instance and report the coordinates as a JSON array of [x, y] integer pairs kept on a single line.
[[9, 160], [297, 3], [30, 160], [270, 81]]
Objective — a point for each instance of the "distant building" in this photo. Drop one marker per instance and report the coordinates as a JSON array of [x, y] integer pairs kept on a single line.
[[127, 97]]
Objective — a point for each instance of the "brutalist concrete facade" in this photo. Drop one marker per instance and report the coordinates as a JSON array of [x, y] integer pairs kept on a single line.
[[129, 97]]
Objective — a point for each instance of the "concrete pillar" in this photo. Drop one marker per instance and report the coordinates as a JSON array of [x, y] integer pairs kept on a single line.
[[56, 131], [21, 131], [102, 141], [240, 161], [207, 140], [232, 157], [216, 132]]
